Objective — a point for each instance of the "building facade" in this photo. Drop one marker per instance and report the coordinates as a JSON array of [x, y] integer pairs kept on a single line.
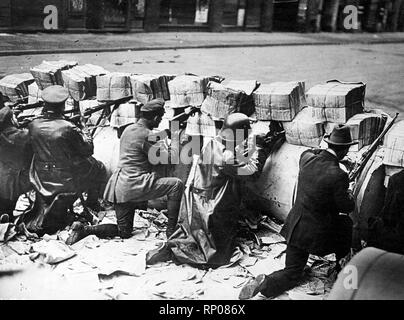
[[213, 15]]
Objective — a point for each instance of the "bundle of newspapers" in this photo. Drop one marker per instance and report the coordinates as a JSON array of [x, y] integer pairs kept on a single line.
[[81, 81], [336, 101], [113, 86], [49, 73], [304, 130], [279, 101], [15, 86], [234, 96], [186, 90], [394, 145]]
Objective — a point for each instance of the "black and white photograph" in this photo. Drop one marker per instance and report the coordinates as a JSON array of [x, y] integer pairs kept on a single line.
[[202, 155]]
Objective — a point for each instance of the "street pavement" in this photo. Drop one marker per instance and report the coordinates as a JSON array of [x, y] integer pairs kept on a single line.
[[380, 66], [40, 43]]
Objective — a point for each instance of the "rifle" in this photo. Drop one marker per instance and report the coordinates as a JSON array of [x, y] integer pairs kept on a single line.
[[368, 153], [87, 113]]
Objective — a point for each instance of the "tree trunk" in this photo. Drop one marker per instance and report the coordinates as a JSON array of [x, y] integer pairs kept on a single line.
[[152, 16], [216, 9], [267, 15]]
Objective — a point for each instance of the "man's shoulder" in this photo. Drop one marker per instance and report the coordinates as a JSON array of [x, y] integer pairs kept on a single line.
[[135, 131]]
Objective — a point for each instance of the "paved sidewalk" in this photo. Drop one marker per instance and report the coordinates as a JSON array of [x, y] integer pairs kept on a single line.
[[42, 43]]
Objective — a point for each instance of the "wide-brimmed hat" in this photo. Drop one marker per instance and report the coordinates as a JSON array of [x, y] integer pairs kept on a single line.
[[55, 95], [340, 136]]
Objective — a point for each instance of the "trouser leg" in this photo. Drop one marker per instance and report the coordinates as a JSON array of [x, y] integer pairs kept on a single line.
[[280, 281], [173, 188], [94, 182], [125, 213], [7, 207], [103, 230], [343, 238]]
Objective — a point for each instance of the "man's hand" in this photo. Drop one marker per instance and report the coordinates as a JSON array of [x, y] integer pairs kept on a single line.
[[168, 132], [260, 140]]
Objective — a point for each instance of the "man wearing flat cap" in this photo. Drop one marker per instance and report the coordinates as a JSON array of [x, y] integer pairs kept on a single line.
[[15, 159], [136, 180], [63, 161], [317, 223]]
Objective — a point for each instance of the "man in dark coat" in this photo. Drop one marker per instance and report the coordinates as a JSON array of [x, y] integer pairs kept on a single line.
[[387, 230], [15, 159], [136, 180], [210, 208], [63, 161], [314, 224]]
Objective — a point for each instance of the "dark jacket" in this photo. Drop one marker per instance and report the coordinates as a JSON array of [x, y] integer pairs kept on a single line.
[[15, 159], [135, 173], [387, 229], [62, 155], [322, 194]]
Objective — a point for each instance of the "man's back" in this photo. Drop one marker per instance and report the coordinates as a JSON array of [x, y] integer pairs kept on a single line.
[[133, 157], [57, 140], [321, 196], [61, 153]]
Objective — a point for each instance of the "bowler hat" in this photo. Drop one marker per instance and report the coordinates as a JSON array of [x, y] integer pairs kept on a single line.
[[55, 94], [154, 105], [340, 136]]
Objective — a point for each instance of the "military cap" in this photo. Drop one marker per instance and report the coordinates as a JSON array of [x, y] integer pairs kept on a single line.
[[55, 94], [154, 105]]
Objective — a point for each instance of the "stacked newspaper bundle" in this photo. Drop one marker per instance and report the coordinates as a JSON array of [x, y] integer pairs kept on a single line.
[[126, 113], [15, 86], [76, 83], [207, 79], [141, 87], [303, 130], [336, 101], [394, 145], [91, 71], [186, 90], [279, 101], [365, 128], [34, 93], [81, 81], [200, 124], [245, 98], [159, 86], [49, 73], [113, 86], [220, 101]]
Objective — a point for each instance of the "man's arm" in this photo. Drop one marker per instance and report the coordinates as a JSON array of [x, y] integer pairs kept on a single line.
[[251, 167], [342, 197], [81, 142], [160, 151]]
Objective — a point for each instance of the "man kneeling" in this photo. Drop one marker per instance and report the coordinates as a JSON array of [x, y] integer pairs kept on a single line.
[[136, 181]]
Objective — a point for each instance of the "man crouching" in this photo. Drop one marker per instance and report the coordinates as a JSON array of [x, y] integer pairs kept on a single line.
[[136, 180]]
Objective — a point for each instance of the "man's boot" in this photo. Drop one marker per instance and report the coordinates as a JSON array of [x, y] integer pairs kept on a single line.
[[173, 207], [80, 231]]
